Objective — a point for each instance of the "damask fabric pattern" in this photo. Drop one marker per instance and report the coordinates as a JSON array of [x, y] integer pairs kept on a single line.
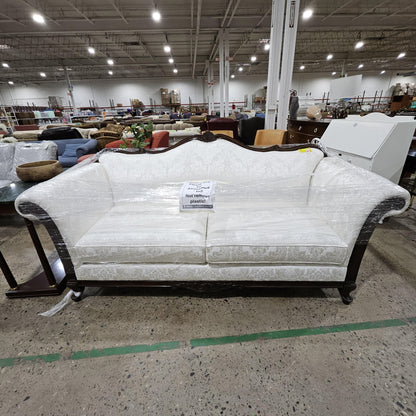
[[296, 236], [223, 273], [127, 234], [199, 161]]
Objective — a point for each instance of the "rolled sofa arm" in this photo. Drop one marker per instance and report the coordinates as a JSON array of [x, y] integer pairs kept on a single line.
[[74, 200], [345, 195], [86, 148]]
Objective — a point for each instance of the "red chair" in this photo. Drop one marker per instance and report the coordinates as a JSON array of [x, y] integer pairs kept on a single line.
[[159, 139]]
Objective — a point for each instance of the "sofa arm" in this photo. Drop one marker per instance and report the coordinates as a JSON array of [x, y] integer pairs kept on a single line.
[[73, 200], [345, 195], [87, 148]]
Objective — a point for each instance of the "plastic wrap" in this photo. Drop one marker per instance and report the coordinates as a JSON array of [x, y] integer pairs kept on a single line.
[[288, 215], [32, 152]]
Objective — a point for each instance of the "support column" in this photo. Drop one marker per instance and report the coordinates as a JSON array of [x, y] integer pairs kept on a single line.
[[221, 70], [288, 55], [227, 75], [276, 36]]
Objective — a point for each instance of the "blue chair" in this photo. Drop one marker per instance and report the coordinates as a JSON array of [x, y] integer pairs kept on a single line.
[[69, 150]]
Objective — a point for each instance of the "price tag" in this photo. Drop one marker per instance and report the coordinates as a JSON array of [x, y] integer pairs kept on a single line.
[[197, 195]]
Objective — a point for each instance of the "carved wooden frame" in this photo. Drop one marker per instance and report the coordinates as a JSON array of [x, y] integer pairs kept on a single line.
[[345, 287]]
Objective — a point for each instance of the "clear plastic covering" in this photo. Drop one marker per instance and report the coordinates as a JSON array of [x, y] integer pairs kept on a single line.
[[279, 215]]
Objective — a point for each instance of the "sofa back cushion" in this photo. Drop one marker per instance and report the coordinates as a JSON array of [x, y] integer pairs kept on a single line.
[[241, 173]]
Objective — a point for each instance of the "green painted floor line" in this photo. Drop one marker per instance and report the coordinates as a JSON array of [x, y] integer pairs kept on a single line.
[[205, 342]]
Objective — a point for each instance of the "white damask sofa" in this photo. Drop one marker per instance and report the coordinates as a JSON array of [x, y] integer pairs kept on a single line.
[[288, 217]]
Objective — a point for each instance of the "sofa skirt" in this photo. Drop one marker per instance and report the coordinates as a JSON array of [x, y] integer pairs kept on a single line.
[[212, 273]]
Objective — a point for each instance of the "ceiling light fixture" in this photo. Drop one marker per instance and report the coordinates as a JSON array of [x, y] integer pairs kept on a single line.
[[307, 14], [166, 48], [359, 44], [156, 16], [42, 74], [360, 66], [5, 65], [175, 71], [266, 46], [232, 76], [91, 50], [11, 83], [110, 72], [38, 18], [334, 73], [329, 57], [401, 55], [240, 68], [253, 58], [382, 72], [110, 62], [171, 61], [302, 67]]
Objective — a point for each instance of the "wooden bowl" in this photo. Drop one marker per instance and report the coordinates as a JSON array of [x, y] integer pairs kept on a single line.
[[38, 171]]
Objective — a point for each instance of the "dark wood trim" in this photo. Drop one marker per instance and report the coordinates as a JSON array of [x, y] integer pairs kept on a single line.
[[362, 241], [43, 217], [209, 137], [345, 287], [4, 267]]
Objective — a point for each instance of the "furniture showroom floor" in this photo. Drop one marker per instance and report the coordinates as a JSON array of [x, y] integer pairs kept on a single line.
[[278, 353]]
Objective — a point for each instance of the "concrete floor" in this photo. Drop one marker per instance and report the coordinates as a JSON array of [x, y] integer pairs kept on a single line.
[[181, 361]]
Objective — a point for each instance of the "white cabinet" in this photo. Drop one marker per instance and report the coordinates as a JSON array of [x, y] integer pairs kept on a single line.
[[375, 142]]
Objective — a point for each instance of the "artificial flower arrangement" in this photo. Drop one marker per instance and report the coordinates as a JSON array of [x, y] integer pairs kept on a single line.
[[141, 135]]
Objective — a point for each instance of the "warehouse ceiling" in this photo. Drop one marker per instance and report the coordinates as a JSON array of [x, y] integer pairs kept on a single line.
[[124, 31]]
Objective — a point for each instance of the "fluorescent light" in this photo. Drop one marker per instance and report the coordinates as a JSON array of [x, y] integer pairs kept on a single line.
[[42, 74], [5, 65], [253, 58], [382, 72], [156, 16], [232, 76], [4, 46], [359, 44], [240, 68], [171, 61], [334, 73], [91, 50], [38, 18], [401, 55], [166, 48], [11, 83], [329, 57], [307, 14], [267, 46], [110, 72], [175, 70], [360, 66], [302, 67], [110, 62]]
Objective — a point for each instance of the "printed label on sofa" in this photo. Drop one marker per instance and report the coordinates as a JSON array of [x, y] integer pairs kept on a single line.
[[197, 195]]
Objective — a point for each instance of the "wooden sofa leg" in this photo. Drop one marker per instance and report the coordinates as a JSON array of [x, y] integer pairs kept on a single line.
[[345, 292], [80, 290]]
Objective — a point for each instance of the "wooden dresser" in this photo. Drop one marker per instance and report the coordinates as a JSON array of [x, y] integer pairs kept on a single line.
[[303, 131]]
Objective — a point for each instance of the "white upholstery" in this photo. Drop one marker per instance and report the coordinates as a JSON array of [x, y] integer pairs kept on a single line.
[[284, 216], [295, 236], [123, 235], [207, 272]]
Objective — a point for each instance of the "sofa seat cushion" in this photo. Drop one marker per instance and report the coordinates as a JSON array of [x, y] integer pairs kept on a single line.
[[139, 234], [293, 235]]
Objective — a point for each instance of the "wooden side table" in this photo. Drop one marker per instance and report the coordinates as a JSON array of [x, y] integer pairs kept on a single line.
[[50, 282]]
